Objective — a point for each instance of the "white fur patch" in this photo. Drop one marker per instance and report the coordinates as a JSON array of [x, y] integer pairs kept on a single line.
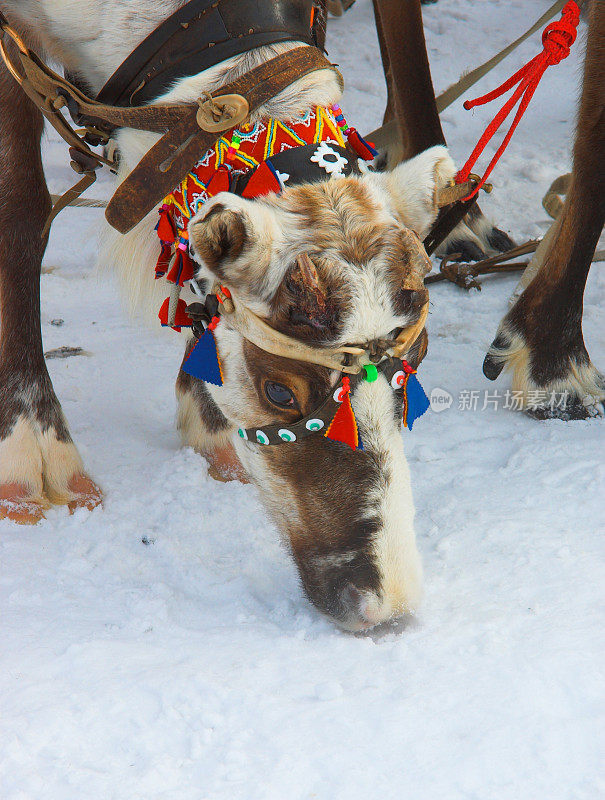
[[411, 188], [395, 551], [61, 463]]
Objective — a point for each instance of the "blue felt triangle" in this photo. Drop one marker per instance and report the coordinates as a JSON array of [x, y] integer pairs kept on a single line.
[[203, 361], [416, 399]]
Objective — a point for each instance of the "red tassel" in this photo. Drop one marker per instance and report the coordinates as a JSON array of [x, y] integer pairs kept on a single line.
[[181, 269], [165, 226], [557, 39], [343, 427], [163, 263], [219, 182], [365, 150], [181, 318]]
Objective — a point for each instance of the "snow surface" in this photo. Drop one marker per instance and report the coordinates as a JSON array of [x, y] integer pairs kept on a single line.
[[161, 647]]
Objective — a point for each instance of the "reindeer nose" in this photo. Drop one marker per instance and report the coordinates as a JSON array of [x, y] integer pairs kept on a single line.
[[362, 610]]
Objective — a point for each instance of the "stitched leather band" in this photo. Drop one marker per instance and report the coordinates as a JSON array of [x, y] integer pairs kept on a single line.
[[199, 35]]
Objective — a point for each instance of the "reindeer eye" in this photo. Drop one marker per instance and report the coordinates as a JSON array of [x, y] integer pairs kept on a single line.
[[280, 395]]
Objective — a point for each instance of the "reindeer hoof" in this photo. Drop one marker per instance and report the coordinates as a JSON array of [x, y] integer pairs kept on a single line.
[[88, 494], [573, 411], [464, 250], [493, 363], [475, 238], [499, 240], [224, 465], [17, 504]]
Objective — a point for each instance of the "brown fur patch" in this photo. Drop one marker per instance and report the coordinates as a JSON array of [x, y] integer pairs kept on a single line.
[[341, 216], [309, 312]]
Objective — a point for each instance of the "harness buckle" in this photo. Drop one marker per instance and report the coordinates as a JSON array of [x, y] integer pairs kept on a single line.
[[216, 114], [487, 187]]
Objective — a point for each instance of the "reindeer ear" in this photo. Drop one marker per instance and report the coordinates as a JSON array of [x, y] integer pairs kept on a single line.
[[413, 185], [218, 236]]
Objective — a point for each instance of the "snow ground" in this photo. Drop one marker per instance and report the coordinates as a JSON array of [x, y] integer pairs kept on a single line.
[[191, 666]]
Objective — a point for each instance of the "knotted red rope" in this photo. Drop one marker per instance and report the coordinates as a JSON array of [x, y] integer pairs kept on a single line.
[[557, 39]]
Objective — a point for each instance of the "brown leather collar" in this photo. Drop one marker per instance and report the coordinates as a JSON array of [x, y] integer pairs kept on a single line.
[[199, 35]]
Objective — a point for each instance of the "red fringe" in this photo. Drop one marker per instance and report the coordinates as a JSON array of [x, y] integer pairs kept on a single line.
[[163, 263], [181, 269]]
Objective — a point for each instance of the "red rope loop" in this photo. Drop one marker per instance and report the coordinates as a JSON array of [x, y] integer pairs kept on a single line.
[[557, 39]]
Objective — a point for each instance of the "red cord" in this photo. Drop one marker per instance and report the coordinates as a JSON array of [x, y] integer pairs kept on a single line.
[[557, 39]]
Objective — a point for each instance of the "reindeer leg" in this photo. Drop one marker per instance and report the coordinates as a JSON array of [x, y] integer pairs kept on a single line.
[[204, 427], [39, 463], [411, 100], [540, 339]]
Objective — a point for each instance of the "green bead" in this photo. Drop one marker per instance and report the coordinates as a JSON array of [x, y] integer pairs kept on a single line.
[[371, 373]]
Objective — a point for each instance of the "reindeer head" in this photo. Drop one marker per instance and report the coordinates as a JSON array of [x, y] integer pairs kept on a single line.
[[329, 264]]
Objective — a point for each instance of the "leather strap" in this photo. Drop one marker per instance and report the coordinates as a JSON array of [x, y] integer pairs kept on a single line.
[[348, 359], [200, 35], [173, 156], [446, 221]]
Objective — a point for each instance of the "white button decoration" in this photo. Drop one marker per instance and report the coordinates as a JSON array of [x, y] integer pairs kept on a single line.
[[329, 160], [286, 435], [398, 379], [339, 394], [314, 424], [261, 437]]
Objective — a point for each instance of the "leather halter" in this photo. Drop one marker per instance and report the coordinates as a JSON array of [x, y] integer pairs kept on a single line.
[[349, 360], [200, 35]]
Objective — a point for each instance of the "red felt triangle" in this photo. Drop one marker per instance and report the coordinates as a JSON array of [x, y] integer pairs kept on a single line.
[[343, 427], [166, 231], [219, 182], [262, 181], [181, 319], [188, 268]]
